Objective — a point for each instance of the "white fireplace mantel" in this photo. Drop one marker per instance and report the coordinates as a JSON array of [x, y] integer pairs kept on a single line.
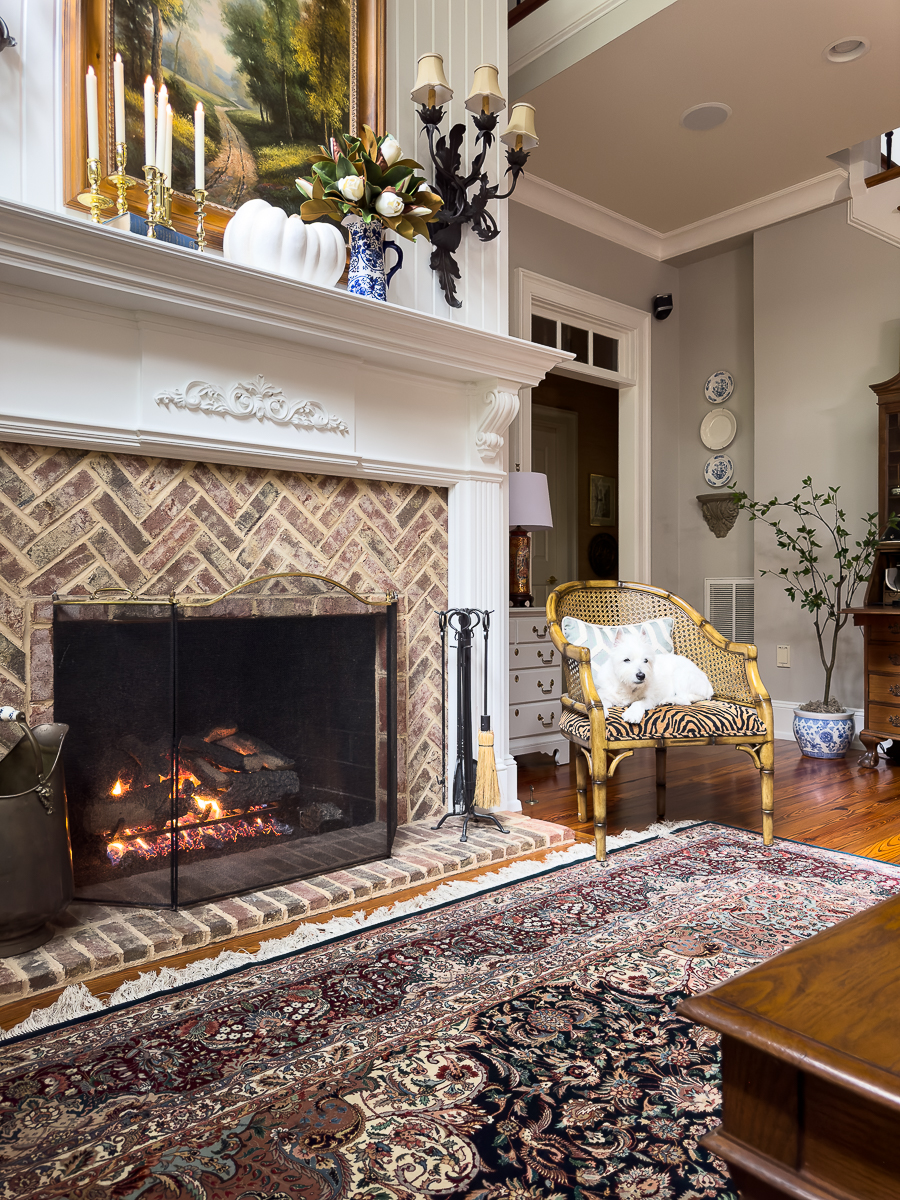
[[112, 320]]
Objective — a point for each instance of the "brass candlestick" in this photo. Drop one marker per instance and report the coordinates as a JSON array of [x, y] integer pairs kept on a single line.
[[164, 201], [92, 199], [200, 198], [151, 175], [122, 181]]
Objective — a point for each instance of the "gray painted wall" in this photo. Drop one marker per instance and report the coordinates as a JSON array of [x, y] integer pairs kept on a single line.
[[827, 324]]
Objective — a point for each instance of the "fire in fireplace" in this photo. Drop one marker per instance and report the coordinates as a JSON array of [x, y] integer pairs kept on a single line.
[[216, 748]]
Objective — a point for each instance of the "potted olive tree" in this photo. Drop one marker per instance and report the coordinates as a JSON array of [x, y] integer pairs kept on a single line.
[[825, 576]]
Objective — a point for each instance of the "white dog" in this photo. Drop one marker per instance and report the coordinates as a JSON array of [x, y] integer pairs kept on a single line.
[[634, 675]]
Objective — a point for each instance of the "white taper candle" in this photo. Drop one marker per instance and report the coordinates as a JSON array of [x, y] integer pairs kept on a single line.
[[199, 147], [119, 97], [170, 120], [93, 129], [161, 128], [149, 123]]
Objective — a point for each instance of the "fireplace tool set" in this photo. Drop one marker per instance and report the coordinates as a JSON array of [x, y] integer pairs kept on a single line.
[[475, 786]]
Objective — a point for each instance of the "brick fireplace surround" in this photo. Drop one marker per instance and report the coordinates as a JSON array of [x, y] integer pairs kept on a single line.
[[73, 521]]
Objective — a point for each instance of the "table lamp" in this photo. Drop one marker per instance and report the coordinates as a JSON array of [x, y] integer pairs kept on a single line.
[[529, 510]]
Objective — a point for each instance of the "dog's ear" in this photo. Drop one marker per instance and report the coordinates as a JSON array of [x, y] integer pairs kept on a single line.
[[645, 637], [620, 634]]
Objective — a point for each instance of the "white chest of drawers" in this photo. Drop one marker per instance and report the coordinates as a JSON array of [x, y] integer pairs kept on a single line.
[[535, 685]]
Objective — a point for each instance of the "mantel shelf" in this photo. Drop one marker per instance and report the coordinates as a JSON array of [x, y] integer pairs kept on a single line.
[[57, 254]]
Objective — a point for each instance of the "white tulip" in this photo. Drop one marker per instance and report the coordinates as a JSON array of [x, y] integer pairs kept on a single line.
[[390, 150], [389, 204], [352, 187]]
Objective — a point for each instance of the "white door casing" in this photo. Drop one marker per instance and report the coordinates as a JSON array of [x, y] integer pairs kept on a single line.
[[554, 452], [534, 293]]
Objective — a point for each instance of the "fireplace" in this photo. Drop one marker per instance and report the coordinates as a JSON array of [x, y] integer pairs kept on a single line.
[[221, 747]]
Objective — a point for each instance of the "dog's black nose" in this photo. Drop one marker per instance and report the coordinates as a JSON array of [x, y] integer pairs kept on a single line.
[[640, 676]]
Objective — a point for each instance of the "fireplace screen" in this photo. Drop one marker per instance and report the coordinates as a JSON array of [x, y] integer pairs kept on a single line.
[[219, 749]]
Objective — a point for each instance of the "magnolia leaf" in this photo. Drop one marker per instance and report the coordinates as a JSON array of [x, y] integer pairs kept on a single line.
[[410, 163], [318, 188], [311, 210], [344, 167]]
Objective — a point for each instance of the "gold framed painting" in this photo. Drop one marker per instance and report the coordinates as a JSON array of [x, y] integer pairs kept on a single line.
[[603, 500], [276, 78]]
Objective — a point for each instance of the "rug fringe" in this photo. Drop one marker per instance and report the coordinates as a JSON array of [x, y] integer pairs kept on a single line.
[[77, 1001]]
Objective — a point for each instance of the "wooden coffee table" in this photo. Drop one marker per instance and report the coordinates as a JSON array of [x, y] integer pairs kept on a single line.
[[811, 1065]]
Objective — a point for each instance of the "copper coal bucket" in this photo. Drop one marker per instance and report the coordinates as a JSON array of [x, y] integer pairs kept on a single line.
[[36, 882]]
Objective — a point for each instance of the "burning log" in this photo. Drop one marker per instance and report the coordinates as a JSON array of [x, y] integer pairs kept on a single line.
[[258, 787], [155, 759], [256, 753], [146, 806], [321, 817], [217, 733], [212, 752], [208, 775]]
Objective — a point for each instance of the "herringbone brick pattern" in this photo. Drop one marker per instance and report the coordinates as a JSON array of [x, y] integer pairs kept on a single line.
[[74, 521]]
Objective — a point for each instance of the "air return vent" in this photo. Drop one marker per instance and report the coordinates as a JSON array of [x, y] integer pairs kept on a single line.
[[729, 606]]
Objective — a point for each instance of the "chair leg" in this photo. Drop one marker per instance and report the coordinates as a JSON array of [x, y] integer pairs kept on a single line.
[[767, 790], [598, 789], [660, 782], [581, 782]]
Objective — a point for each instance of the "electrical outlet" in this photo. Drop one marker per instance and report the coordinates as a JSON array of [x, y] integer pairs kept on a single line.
[[782, 656]]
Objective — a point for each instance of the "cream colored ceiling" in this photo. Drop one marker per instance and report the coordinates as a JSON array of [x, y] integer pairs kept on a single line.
[[609, 124]]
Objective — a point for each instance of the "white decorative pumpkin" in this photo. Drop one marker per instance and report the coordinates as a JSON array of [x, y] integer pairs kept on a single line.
[[267, 239]]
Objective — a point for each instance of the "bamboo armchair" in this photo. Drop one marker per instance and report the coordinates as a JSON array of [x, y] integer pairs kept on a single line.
[[739, 715]]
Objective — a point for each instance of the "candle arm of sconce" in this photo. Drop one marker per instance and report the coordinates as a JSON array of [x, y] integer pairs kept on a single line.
[[515, 169]]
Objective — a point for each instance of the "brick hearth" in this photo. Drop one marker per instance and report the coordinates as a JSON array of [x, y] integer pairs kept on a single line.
[[94, 940], [73, 521]]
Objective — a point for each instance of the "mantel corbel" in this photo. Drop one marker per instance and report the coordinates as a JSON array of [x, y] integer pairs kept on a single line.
[[501, 404]]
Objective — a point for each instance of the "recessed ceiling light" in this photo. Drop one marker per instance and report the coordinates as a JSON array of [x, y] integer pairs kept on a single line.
[[846, 49], [705, 116]]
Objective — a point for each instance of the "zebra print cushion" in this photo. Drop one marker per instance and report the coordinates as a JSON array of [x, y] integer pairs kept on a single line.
[[706, 718]]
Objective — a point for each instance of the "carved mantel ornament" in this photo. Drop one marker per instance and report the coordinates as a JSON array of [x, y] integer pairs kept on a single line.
[[719, 512], [256, 399]]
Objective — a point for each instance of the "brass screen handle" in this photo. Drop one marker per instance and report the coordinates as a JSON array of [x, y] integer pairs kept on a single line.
[[549, 724], [546, 691], [534, 629], [546, 661]]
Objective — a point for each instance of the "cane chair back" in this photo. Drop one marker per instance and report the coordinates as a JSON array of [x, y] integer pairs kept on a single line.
[[611, 603]]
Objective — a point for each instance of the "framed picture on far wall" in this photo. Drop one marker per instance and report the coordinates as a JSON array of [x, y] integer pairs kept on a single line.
[[276, 79], [603, 500]]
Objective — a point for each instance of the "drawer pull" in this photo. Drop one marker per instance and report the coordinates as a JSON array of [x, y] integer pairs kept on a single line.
[[547, 661], [517, 712], [894, 660], [894, 628], [517, 655], [894, 721], [894, 689], [549, 724], [515, 678], [534, 629], [546, 691]]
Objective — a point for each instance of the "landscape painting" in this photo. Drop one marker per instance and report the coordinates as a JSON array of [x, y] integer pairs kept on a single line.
[[274, 77]]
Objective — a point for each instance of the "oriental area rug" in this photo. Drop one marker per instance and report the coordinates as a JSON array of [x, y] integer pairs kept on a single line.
[[522, 1043]]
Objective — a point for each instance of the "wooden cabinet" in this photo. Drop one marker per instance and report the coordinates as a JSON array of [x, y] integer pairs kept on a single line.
[[880, 616], [535, 686], [811, 1066]]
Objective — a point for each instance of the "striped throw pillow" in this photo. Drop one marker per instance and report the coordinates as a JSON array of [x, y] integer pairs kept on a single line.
[[599, 638]]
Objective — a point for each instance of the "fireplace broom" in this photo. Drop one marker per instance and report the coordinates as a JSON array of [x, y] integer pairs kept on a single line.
[[487, 785]]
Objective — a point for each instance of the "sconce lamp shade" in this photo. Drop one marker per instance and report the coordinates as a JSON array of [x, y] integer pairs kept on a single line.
[[529, 501], [521, 125], [485, 86], [431, 78]]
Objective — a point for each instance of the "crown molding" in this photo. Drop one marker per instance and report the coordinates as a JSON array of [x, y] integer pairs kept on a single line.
[[556, 202]]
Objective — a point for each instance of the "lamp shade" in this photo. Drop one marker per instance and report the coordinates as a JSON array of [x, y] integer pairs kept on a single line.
[[431, 78], [521, 125], [485, 86], [529, 501]]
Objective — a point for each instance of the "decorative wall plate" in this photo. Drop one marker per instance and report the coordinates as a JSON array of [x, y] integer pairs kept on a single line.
[[718, 470], [719, 387], [717, 429]]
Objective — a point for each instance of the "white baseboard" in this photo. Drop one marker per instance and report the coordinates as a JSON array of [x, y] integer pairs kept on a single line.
[[783, 711]]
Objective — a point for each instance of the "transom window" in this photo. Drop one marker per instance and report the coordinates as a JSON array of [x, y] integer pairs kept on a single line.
[[589, 347]]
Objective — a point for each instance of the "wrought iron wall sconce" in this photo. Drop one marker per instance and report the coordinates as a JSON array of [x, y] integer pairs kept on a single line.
[[485, 101], [6, 38]]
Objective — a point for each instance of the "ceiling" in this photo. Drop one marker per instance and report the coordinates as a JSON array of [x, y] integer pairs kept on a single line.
[[609, 123]]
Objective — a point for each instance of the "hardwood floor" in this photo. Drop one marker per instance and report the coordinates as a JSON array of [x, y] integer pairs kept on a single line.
[[832, 803], [835, 804]]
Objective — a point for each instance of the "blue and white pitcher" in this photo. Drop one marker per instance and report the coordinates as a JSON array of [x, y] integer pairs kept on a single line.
[[366, 276]]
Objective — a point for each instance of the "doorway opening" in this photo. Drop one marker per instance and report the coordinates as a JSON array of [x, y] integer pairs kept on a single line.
[[575, 443]]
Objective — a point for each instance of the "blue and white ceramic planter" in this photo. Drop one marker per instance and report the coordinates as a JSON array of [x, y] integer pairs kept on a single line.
[[366, 275], [823, 735]]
